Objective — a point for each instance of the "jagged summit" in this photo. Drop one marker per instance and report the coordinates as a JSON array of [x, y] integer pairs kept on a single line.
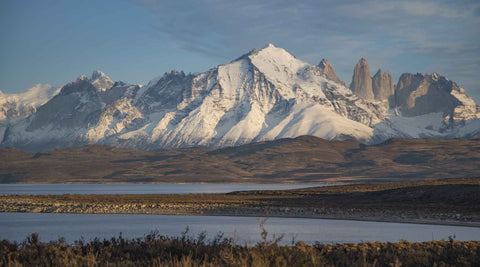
[[97, 80], [96, 74], [82, 77], [327, 69], [420, 94], [101, 81], [383, 88], [266, 94], [362, 81]]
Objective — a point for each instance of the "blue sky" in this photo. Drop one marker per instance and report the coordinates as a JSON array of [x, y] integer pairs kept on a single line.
[[47, 41]]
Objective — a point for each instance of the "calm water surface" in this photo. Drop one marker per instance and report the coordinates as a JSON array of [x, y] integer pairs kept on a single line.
[[59, 189], [16, 226]]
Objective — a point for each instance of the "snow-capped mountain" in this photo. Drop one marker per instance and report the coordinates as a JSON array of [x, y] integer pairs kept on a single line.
[[266, 94], [14, 106], [21, 105]]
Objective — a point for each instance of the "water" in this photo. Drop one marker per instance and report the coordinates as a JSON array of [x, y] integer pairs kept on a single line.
[[59, 189], [16, 226]]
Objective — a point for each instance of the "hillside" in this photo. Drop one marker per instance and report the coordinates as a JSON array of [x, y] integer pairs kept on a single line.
[[305, 159]]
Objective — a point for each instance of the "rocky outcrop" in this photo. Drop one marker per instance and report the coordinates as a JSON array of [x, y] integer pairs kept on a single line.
[[362, 81], [406, 85], [383, 88], [327, 70], [418, 94]]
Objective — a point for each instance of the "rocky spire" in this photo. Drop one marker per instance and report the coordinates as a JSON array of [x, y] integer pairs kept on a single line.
[[362, 81], [382, 85], [327, 70]]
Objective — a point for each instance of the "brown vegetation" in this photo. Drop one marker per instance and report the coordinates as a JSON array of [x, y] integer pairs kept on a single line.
[[155, 250], [304, 159]]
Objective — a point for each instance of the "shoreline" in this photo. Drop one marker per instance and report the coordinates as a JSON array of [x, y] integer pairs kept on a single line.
[[442, 202], [425, 221]]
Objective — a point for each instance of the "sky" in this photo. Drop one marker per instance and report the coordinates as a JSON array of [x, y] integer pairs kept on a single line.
[[50, 41]]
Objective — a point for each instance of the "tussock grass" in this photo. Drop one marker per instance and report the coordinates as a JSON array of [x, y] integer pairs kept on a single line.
[[157, 250]]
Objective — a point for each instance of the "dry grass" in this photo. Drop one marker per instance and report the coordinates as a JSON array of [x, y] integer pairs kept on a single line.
[[304, 159], [156, 250]]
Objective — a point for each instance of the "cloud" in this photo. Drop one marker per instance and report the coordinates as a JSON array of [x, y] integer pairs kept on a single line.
[[428, 33]]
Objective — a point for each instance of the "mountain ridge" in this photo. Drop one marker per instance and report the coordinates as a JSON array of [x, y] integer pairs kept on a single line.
[[266, 94]]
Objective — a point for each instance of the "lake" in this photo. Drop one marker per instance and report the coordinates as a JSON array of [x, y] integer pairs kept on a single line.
[[51, 226], [60, 189]]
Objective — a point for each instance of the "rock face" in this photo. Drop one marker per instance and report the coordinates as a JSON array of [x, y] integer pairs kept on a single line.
[[423, 94], [407, 84], [430, 106], [327, 70], [362, 81], [383, 88]]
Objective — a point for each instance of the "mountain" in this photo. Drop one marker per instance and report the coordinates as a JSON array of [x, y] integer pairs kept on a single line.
[[74, 116], [15, 106], [419, 94], [430, 106], [383, 88], [21, 105], [101, 81], [266, 94], [362, 81]]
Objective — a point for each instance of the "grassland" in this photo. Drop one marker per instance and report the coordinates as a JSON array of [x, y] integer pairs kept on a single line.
[[447, 201], [305, 159], [155, 250]]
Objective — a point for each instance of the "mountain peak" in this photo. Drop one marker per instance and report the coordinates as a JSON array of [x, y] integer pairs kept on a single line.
[[265, 95], [270, 45], [101, 81], [275, 63], [82, 77], [97, 74], [382, 85], [269, 48], [362, 81], [324, 62], [327, 70]]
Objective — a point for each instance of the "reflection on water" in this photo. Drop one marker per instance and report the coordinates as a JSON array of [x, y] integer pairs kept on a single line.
[[16, 226]]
